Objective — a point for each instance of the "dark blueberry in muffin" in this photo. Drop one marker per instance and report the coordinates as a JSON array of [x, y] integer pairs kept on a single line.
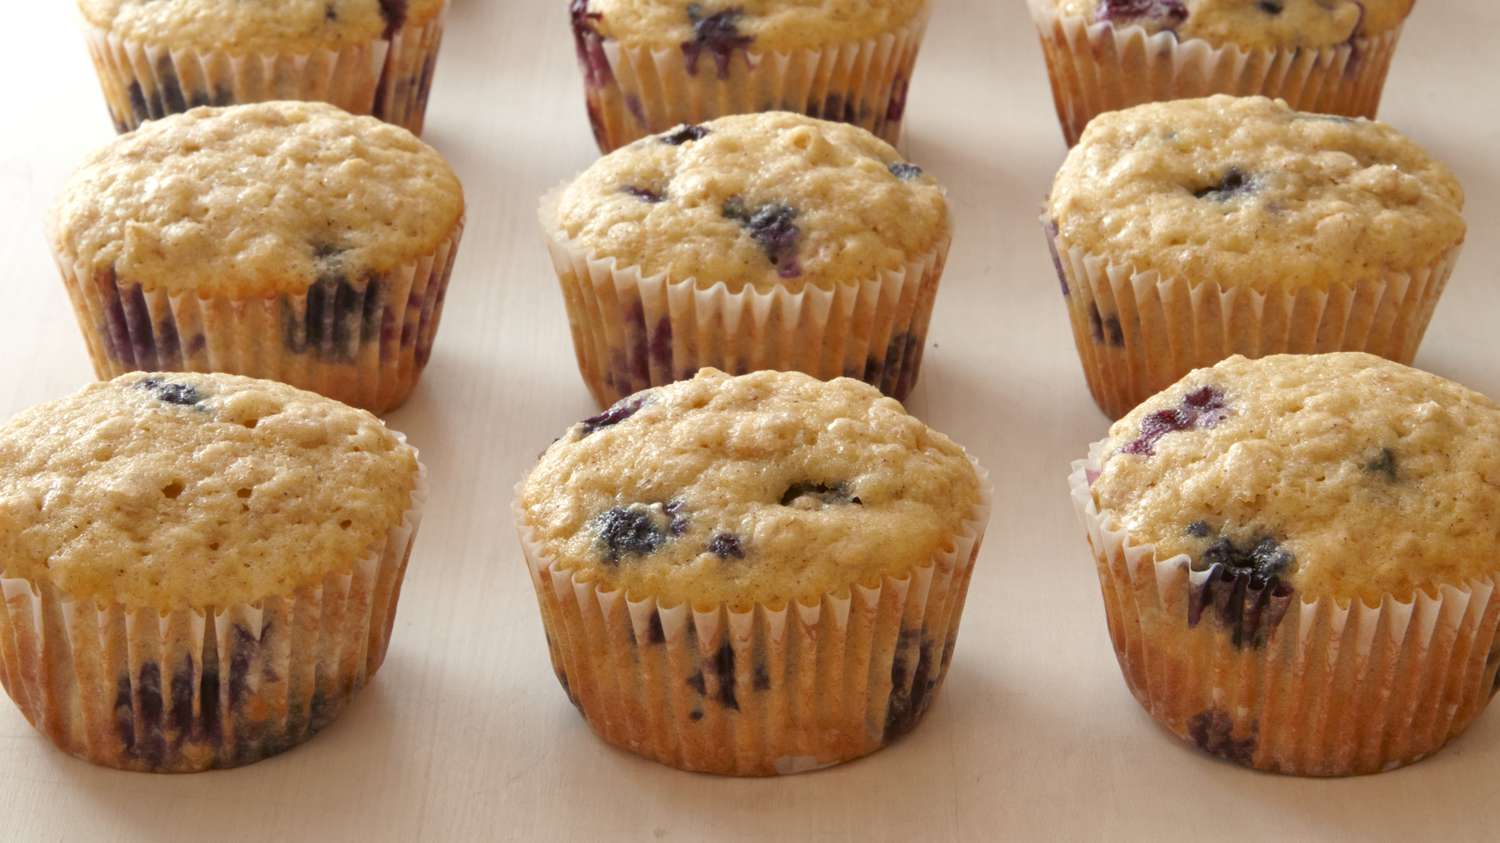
[[905, 171], [646, 195], [1233, 185], [821, 492], [394, 12], [1271, 7], [771, 226], [677, 520], [1244, 587], [1199, 529], [628, 531], [1263, 560], [181, 394], [1384, 463], [1213, 732], [621, 411], [718, 33], [1204, 407], [1105, 329], [172, 100], [1170, 12], [683, 134], [590, 49], [726, 546], [138, 106], [329, 12]]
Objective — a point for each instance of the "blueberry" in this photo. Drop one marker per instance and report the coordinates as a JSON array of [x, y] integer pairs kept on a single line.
[[1244, 586], [718, 33], [182, 699], [1263, 560], [628, 531], [677, 522], [1198, 529], [684, 133], [138, 107], [124, 712], [1384, 463], [905, 171], [1169, 12], [181, 394], [771, 226], [173, 102], [1271, 7], [726, 546], [823, 493], [1233, 184], [622, 410], [329, 12], [1105, 329], [1213, 732], [723, 667], [646, 195], [589, 46], [1202, 408], [394, 12]]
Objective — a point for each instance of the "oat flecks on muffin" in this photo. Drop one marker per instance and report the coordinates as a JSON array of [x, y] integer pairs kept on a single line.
[[764, 488], [760, 200], [1248, 192], [259, 198], [713, 27], [1249, 23], [176, 490], [261, 26], [1342, 475]]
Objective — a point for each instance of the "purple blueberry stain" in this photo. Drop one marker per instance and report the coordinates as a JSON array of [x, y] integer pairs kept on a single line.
[[1271, 7], [626, 531], [718, 34], [1052, 234], [1234, 184], [647, 195], [905, 171], [684, 133], [822, 493], [1245, 586], [1213, 732], [1201, 409], [723, 668], [1199, 530], [726, 546], [677, 518], [772, 227], [589, 45], [1105, 329], [394, 12], [180, 394], [1168, 13], [1384, 464]]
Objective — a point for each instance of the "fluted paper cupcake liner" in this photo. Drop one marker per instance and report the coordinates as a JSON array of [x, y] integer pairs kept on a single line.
[[1098, 66], [764, 690], [363, 341], [632, 92], [1138, 332], [192, 690], [632, 331], [1267, 679], [389, 78]]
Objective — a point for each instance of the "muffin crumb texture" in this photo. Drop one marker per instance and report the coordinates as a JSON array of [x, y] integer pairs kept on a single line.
[[715, 27], [182, 490], [1269, 24], [261, 26], [759, 200], [1246, 192], [1341, 475], [764, 488]]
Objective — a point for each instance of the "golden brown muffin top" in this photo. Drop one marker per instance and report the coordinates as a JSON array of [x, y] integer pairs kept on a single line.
[[181, 490], [761, 200], [721, 26], [261, 26], [1345, 475], [1261, 24], [763, 488], [1246, 192], [257, 199]]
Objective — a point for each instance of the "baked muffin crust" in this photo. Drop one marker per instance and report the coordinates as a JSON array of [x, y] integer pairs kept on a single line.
[[763, 488], [757, 199], [261, 26], [1267, 24], [1246, 192], [180, 490], [1345, 475], [761, 25]]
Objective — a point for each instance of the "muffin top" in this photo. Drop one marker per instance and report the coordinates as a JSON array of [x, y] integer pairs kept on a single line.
[[1344, 475], [261, 26], [258, 198], [755, 199], [718, 27], [181, 490], [1247, 192], [1271, 24], [762, 488]]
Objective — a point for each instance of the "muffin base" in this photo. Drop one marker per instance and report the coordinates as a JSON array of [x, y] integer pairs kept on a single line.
[[389, 78], [1138, 333], [1098, 67], [361, 341], [194, 690], [758, 691], [632, 92], [632, 331], [1312, 688]]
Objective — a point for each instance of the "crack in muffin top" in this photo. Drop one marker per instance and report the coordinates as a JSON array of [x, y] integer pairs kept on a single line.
[[760, 200], [1345, 474], [240, 27], [1262, 24], [181, 490], [769, 25], [763, 488], [1246, 192], [257, 198]]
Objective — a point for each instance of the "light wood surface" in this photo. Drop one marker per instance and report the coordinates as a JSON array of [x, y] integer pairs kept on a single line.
[[465, 735]]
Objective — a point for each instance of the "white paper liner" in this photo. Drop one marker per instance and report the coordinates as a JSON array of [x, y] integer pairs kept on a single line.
[[192, 690], [387, 78], [363, 341], [1098, 66], [632, 92], [1334, 691], [1138, 333], [632, 331], [764, 691]]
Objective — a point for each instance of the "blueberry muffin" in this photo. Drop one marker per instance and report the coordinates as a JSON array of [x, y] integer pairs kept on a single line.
[[1187, 231], [1329, 56], [1299, 557], [285, 240], [762, 241], [199, 570], [160, 57], [752, 575], [649, 65]]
